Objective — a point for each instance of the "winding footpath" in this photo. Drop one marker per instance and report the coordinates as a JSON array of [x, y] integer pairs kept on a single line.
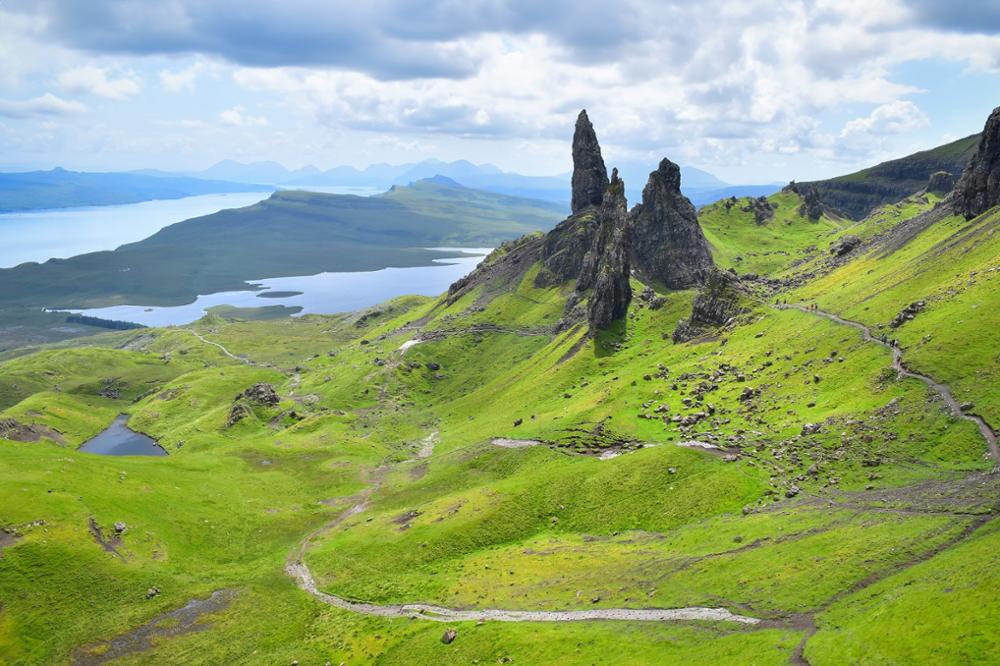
[[216, 344], [296, 567], [989, 436]]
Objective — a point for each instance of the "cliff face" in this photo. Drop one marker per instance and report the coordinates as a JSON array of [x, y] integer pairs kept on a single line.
[[978, 190], [590, 176], [606, 266], [598, 245], [668, 245]]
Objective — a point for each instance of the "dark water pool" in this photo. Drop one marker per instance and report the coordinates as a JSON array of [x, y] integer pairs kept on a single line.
[[120, 440]]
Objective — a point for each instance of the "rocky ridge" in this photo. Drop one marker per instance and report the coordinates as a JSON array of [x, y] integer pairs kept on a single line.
[[597, 247]]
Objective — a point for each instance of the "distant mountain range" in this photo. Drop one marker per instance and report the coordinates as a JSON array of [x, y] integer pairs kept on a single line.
[[59, 188], [700, 186]]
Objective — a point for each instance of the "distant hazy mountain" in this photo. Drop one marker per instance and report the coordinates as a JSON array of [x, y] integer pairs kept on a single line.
[[702, 187], [59, 188]]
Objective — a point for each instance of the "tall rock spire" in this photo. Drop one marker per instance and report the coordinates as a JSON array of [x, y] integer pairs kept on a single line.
[[590, 176], [979, 188], [606, 266], [668, 245]]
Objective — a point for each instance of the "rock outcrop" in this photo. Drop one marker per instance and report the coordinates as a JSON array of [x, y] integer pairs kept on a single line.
[[811, 207], [761, 208], [668, 245], [940, 183], [978, 189], [720, 299], [590, 176], [606, 266]]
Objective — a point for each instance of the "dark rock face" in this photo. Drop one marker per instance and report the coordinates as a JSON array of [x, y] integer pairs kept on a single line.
[[606, 267], [761, 208], [979, 188], [590, 176], [260, 394], [667, 242], [940, 183], [720, 299], [811, 207]]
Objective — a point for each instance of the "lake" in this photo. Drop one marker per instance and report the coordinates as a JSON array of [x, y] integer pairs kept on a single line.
[[120, 440], [43, 234], [324, 293]]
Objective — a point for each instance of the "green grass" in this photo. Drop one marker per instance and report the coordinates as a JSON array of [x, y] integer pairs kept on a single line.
[[791, 527]]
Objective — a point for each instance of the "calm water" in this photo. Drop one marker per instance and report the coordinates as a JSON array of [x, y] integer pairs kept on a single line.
[[324, 293], [41, 235], [120, 440]]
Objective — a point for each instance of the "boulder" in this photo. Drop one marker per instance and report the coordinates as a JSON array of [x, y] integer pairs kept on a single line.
[[720, 299], [845, 245], [940, 183], [260, 393]]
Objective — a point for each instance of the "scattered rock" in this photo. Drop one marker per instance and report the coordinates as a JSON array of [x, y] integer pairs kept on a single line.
[[845, 245], [907, 313], [260, 393]]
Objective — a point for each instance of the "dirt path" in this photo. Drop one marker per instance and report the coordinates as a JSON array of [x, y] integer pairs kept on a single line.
[[216, 344], [296, 568], [989, 436]]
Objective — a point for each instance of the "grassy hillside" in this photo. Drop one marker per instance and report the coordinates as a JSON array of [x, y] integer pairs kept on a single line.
[[60, 188], [290, 233], [469, 455], [857, 194]]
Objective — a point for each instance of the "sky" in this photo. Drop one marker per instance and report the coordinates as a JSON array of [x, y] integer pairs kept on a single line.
[[756, 91]]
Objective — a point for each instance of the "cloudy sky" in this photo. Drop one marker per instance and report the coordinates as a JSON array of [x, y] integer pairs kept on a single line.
[[753, 91]]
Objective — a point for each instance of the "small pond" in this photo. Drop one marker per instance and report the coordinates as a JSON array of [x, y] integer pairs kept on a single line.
[[120, 440]]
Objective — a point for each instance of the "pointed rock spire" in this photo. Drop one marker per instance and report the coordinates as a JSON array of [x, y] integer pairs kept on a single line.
[[606, 267], [590, 176], [668, 245], [979, 188]]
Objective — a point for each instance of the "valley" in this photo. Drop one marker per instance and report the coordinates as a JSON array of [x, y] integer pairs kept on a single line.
[[759, 432]]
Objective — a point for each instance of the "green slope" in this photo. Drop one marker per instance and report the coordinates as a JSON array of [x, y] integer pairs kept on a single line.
[[858, 194], [866, 539], [290, 233]]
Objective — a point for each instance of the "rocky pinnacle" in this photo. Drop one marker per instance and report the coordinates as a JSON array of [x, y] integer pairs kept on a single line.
[[668, 245], [606, 266], [979, 188], [590, 176]]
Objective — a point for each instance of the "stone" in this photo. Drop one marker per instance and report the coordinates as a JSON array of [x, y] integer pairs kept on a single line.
[[720, 299], [152, 592], [978, 189], [940, 183], [449, 636], [120, 527], [845, 245], [260, 393], [668, 245], [433, 367], [590, 176]]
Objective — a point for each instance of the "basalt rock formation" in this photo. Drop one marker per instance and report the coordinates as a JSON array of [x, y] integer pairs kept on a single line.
[[605, 267], [721, 298], [599, 244], [590, 176], [978, 190], [940, 183], [668, 245], [811, 207]]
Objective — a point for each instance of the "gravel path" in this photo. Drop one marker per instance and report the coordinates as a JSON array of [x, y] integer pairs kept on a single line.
[[989, 436], [216, 344], [297, 569]]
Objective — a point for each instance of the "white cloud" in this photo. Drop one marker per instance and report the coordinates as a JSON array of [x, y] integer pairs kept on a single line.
[[896, 117], [96, 81], [46, 105], [180, 80], [237, 117]]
